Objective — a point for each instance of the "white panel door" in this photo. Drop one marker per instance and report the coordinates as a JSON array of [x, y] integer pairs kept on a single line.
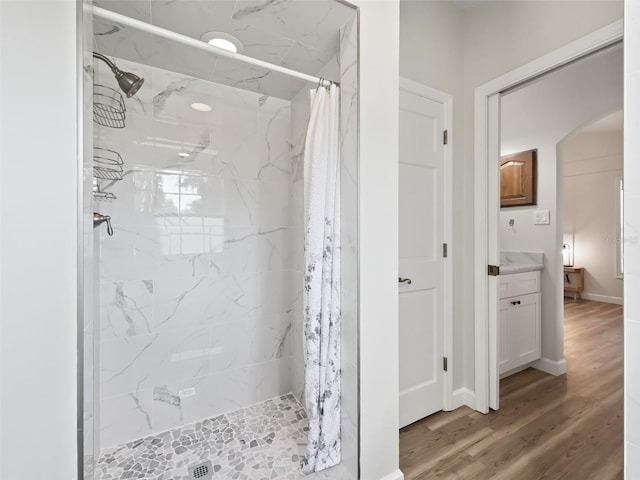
[[421, 234]]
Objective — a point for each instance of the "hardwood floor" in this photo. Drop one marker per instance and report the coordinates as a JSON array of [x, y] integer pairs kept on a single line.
[[567, 427]]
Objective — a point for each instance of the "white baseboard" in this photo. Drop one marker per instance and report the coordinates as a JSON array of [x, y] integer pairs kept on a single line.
[[463, 396], [397, 475], [519, 369], [551, 367], [601, 298]]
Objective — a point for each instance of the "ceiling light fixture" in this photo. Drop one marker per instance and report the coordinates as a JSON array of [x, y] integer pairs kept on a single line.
[[201, 107], [223, 40]]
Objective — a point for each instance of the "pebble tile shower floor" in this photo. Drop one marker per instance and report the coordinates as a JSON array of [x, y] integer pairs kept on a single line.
[[262, 442]]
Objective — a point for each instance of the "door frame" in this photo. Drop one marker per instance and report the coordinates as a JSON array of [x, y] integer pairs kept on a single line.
[[447, 322], [486, 208]]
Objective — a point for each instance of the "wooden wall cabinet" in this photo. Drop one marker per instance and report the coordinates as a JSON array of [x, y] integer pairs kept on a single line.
[[518, 179]]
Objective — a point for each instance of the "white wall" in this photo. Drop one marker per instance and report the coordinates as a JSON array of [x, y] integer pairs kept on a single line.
[[500, 36], [431, 41], [379, 46], [539, 116], [38, 232], [632, 241], [592, 162]]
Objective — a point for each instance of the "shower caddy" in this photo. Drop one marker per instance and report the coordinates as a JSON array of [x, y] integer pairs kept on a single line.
[[109, 110]]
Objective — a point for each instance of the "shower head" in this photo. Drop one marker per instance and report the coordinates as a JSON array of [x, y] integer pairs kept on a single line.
[[129, 82]]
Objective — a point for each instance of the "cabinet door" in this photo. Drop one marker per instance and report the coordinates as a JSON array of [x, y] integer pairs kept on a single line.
[[504, 347], [524, 329]]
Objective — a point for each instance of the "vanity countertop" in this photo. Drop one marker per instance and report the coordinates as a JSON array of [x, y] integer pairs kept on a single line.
[[518, 262]]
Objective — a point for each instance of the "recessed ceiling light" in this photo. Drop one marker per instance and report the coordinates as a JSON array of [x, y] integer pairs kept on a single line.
[[223, 43], [201, 107], [223, 40]]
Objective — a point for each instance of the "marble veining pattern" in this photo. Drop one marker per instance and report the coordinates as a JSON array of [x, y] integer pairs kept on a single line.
[[517, 262], [299, 35], [263, 441], [128, 308], [195, 284]]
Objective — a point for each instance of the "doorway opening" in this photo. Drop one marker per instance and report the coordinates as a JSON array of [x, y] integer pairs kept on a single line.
[[487, 212], [547, 119]]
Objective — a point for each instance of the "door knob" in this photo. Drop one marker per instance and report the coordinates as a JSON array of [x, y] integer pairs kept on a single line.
[[404, 280]]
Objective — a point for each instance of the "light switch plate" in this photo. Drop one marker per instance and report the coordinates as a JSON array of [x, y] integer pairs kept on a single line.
[[541, 217]]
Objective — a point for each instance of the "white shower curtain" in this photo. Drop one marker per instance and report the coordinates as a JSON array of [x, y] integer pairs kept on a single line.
[[322, 282]]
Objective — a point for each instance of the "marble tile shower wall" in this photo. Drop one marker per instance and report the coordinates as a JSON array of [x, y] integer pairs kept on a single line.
[[349, 226], [196, 298]]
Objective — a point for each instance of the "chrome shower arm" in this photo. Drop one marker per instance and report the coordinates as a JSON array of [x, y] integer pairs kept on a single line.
[[106, 60], [129, 82]]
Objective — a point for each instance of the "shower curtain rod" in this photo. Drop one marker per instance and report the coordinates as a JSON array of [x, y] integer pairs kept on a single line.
[[220, 52]]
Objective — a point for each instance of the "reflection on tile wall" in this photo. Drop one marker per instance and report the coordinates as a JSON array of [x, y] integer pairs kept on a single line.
[[196, 283]]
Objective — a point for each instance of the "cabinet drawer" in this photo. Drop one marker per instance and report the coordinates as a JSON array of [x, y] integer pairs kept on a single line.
[[518, 284], [504, 284]]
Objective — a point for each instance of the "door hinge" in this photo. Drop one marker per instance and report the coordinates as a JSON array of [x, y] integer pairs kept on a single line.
[[493, 270], [444, 250], [445, 137], [444, 363]]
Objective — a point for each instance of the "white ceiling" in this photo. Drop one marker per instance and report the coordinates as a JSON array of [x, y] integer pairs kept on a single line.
[[556, 104], [610, 124], [303, 35]]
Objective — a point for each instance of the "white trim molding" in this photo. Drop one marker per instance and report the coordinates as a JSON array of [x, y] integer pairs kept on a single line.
[[425, 91], [447, 101], [397, 475], [485, 246], [601, 298], [463, 397], [552, 367]]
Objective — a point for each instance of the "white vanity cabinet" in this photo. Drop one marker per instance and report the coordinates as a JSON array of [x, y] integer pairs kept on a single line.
[[519, 320]]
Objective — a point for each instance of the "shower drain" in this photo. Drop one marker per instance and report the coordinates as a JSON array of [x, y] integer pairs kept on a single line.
[[202, 470]]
